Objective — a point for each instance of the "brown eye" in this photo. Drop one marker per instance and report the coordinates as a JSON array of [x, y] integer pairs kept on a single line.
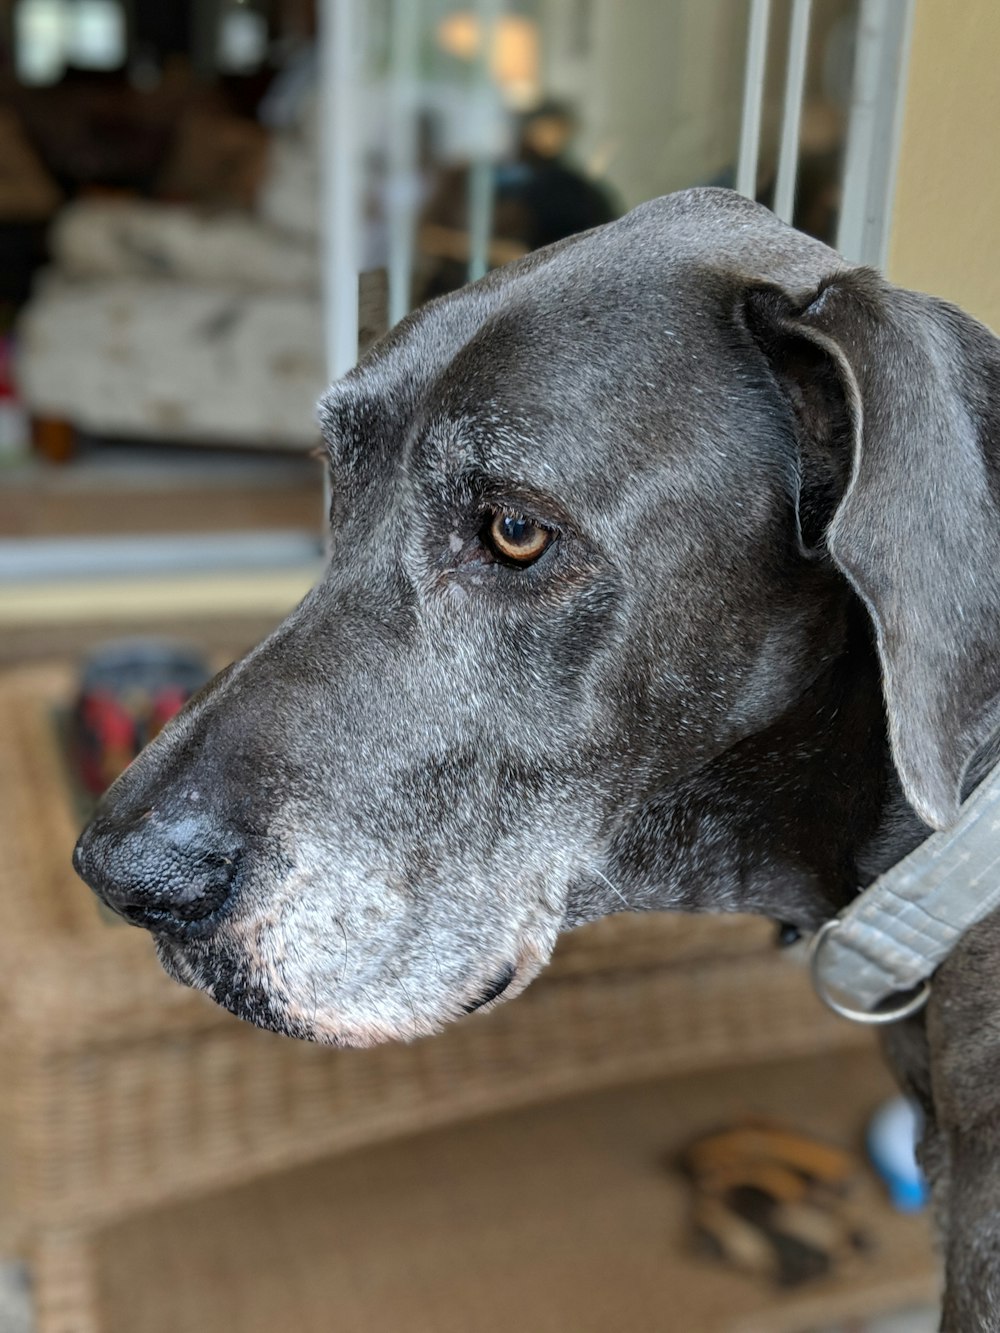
[[516, 539]]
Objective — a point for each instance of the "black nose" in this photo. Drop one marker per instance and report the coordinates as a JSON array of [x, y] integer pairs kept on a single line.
[[169, 875]]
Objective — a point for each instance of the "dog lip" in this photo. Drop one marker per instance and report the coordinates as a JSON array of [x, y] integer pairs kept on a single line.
[[493, 991], [163, 925]]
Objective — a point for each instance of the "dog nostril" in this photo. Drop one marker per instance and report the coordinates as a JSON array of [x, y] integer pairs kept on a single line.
[[210, 892], [137, 914]]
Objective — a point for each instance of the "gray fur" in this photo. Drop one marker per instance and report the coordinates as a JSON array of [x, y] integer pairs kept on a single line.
[[759, 659]]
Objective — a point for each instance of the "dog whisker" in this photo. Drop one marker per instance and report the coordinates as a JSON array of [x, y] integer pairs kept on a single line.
[[347, 947], [409, 999], [617, 892]]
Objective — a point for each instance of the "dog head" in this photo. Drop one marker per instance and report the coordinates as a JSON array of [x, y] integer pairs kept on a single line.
[[613, 534]]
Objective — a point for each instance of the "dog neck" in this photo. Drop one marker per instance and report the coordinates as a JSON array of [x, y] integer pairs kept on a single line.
[[791, 821]]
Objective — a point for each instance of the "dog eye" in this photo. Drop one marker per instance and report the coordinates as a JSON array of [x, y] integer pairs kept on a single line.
[[515, 539]]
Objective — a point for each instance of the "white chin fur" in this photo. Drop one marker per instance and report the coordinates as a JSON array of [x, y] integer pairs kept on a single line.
[[291, 995]]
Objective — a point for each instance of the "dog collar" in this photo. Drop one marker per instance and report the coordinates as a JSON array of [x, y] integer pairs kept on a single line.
[[873, 962]]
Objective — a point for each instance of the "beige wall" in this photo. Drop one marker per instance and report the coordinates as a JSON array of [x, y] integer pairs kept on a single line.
[[946, 217], [659, 94]]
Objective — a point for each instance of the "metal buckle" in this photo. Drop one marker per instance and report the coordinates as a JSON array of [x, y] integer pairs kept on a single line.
[[873, 1017]]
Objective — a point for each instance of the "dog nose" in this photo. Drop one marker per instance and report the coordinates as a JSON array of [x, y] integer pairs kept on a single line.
[[166, 875]]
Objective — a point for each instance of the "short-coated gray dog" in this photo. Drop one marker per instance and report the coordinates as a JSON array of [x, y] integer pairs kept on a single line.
[[665, 573]]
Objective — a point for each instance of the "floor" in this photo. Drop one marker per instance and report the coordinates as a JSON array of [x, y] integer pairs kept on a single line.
[[924, 1319], [15, 1299], [15, 1310], [568, 1218]]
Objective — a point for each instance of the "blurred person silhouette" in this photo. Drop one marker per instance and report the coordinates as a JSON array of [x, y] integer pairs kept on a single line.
[[538, 197]]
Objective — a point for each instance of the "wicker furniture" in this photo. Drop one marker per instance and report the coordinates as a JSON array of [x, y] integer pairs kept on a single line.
[[123, 1090]]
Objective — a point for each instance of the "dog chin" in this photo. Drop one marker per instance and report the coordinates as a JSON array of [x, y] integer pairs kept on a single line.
[[226, 983], [222, 981], [192, 967]]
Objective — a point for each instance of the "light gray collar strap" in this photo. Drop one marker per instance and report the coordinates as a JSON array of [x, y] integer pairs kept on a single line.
[[867, 962]]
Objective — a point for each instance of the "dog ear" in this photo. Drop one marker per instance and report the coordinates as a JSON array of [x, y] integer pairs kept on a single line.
[[897, 402]]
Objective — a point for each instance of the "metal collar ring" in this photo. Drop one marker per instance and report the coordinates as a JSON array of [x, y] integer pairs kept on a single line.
[[907, 1004]]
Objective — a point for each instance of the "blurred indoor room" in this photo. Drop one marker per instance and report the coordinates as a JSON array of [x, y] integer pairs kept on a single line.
[[208, 210]]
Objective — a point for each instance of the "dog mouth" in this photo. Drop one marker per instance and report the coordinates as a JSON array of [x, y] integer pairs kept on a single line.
[[217, 971], [493, 991], [230, 987]]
